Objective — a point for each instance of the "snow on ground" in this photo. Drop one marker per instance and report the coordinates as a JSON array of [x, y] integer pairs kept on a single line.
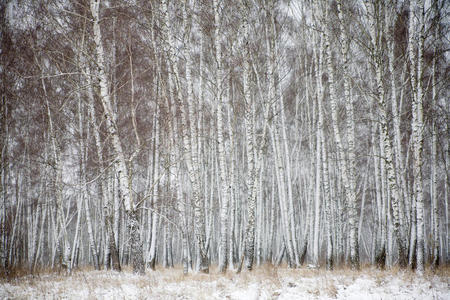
[[263, 283]]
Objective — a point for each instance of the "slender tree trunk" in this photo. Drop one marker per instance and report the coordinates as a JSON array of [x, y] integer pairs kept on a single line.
[[350, 124], [396, 124], [318, 161], [232, 190], [345, 166], [83, 182], [4, 138], [224, 184], [64, 251], [325, 171], [151, 261], [121, 166], [349, 193], [190, 150], [387, 144], [417, 124], [274, 92], [251, 172], [433, 182]]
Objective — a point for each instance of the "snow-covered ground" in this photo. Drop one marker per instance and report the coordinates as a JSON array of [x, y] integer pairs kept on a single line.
[[262, 283]]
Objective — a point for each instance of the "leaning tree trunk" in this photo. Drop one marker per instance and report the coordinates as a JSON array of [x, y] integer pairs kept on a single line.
[[120, 162], [111, 251]]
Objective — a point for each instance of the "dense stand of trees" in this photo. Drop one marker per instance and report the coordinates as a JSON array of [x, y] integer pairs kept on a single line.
[[224, 132]]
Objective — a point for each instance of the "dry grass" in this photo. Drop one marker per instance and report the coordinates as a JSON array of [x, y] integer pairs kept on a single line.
[[331, 289], [266, 281], [265, 271]]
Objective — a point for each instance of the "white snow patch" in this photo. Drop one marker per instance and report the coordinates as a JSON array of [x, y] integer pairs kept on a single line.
[[264, 283]]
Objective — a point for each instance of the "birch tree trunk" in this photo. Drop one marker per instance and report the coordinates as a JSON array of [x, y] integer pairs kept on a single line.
[[417, 120], [396, 112], [83, 154], [64, 250], [274, 93], [251, 170], [121, 166], [250, 152], [436, 249], [349, 193], [111, 248], [151, 261], [253, 149], [191, 155], [4, 137], [154, 220], [324, 159], [345, 43], [387, 144], [224, 184], [319, 164], [232, 179]]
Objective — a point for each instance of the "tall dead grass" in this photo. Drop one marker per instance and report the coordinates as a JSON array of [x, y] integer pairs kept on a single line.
[[266, 273]]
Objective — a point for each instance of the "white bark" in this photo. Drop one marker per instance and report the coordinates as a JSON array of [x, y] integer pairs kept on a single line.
[[224, 184], [120, 163], [387, 144], [151, 259], [317, 198], [433, 182], [232, 205], [319, 139], [349, 194], [64, 250], [350, 124], [322, 149], [190, 151], [377, 149], [250, 152], [274, 93], [396, 112], [417, 120], [83, 183]]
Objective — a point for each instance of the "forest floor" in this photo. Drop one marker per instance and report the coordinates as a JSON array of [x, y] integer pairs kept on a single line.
[[264, 282]]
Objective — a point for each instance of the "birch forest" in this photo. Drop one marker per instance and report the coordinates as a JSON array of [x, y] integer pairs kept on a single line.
[[222, 135]]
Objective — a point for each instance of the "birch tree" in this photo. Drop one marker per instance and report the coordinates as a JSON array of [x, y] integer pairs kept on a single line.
[[350, 124], [190, 150], [436, 249], [376, 35], [417, 7], [120, 161], [250, 152], [278, 131], [347, 178], [225, 186]]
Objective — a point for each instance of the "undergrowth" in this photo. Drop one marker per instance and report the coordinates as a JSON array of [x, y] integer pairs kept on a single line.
[[264, 271]]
